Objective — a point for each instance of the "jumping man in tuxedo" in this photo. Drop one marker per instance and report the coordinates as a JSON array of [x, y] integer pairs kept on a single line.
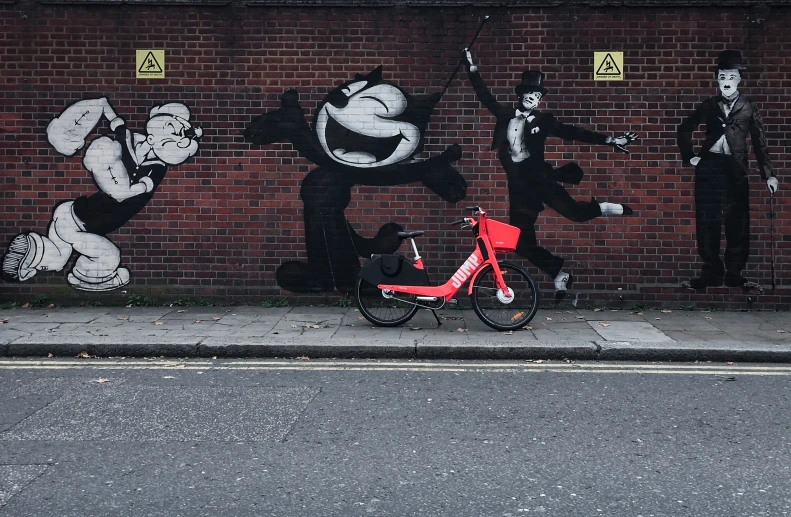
[[519, 136]]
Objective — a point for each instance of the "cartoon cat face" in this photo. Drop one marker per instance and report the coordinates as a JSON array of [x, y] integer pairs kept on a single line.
[[368, 122]]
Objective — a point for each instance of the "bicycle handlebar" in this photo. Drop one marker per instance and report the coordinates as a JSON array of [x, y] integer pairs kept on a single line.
[[460, 221], [476, 208]]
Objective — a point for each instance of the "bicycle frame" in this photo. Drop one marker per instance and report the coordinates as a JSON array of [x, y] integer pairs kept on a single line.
[[484, 254]]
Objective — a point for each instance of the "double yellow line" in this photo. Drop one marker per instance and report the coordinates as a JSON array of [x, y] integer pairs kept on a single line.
[[397, 365]]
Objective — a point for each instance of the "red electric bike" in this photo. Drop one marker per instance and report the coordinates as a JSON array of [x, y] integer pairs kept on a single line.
[[391, 288]]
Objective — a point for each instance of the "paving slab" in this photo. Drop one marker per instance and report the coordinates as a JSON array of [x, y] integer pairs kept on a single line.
[[629, 331]]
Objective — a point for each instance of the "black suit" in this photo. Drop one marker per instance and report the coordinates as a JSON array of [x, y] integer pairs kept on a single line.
[[722, 190], [533, 182]]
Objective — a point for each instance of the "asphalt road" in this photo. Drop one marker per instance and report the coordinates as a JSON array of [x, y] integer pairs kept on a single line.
[[345, 438]]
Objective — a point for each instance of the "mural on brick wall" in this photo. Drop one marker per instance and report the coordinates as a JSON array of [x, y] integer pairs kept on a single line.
[[519, 136], [364, 132], [127, 170], [722, 190]]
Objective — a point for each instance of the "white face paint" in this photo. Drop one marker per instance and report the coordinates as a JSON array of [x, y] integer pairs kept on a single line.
[[531, 100], [170, 138], [362, 134], [729, 80]]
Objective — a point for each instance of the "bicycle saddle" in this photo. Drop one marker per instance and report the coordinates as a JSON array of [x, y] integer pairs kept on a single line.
[[409, 235]]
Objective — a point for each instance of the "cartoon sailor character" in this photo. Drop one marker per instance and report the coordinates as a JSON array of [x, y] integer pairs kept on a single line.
[[127, 169]]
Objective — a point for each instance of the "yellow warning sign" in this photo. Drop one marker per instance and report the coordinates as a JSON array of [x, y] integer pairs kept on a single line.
[[608, 66], [150, 64]]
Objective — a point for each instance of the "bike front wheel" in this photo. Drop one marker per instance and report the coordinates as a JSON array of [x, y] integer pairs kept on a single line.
[[381, 311], [495, 308]]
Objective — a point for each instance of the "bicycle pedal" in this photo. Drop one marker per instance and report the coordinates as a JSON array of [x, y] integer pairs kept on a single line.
[[453, 301]]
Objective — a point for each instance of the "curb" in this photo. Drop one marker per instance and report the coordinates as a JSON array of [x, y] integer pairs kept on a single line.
[[409, 349]]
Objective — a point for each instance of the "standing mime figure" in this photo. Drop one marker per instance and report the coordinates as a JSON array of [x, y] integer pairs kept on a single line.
[[722, 191], [519, 136]]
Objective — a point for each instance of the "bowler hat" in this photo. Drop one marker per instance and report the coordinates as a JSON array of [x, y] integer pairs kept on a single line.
[[730, 60], [532, 81]]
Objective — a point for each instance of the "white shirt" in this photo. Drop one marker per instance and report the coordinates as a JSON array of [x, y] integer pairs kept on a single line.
[[721, 146], [516, 132]]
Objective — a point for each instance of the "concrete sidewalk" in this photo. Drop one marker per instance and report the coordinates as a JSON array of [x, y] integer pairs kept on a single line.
[[341, 332]]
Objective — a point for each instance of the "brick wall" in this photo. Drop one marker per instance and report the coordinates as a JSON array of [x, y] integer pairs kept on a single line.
[[220, 224]]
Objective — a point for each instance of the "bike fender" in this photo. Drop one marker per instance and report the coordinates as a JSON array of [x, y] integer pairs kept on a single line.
[[474, 276]]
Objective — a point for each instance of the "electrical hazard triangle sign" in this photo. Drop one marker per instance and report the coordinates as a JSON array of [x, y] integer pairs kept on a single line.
[[150, 64], [608, 66]]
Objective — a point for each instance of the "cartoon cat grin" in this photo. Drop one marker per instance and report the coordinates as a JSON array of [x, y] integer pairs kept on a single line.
[[347, 145]]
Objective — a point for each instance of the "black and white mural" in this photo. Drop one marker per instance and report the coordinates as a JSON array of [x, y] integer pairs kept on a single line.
[[127, 168], [365, 132], [519, 136], [722, 190]]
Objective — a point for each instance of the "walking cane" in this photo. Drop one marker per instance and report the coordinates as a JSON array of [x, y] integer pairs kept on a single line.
[[453, 75], [772, 236]]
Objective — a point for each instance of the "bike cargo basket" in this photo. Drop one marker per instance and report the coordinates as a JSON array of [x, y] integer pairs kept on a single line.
[[502, 236]]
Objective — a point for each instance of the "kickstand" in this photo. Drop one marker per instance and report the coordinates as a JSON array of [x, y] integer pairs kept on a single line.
[[439, 323]]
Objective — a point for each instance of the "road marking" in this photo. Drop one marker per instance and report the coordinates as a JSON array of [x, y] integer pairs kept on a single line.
[[407, 366]]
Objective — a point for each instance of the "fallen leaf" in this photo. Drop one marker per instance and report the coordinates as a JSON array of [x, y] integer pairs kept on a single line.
[[50, 355], [215, 318], [26, 306], [360, 318], [159, 323], [182, 310], [596, 310], [199, 373], [50, 306], [665, 311], [461, 330], [84, 355], [638, 313], [730, 363], [101, 380], [214, 358], [509, 333], [168, 377], [4, 320], [604, 324], [414, 328], [528, 327], [549, 319], [539, 361], [303, 358], [197, 321], [123, 318], [781, 331], [312, 326]]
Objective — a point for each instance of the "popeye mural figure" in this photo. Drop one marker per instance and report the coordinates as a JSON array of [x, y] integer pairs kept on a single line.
[[365, 132], [519, 136], [722, 189], [127, 170]]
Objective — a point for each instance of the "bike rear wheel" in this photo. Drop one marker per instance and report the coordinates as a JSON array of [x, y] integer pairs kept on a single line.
[[381, 311], [497, 311]]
